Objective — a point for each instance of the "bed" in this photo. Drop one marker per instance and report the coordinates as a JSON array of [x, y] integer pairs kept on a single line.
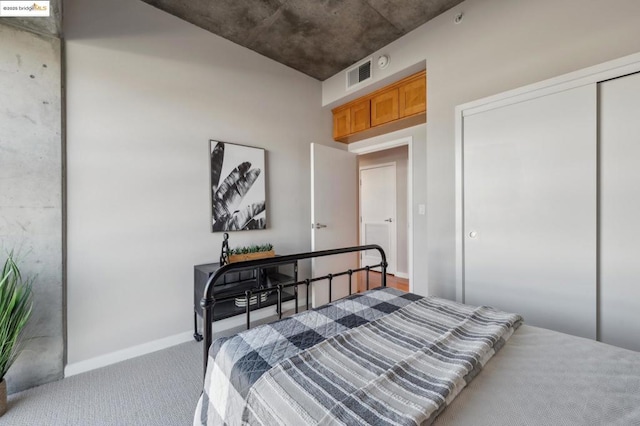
[[389, 357]]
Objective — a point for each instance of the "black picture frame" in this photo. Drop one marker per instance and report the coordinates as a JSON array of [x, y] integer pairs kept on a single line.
[[237, 187]]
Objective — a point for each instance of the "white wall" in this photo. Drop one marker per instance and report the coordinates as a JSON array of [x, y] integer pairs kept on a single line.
[[145, 93], [400, 156], [500, 45]]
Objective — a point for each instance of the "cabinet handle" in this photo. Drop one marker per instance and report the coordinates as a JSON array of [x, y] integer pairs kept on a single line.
[[318, 226]]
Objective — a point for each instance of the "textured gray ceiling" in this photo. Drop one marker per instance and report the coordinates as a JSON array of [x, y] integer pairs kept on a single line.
[[317, 37]]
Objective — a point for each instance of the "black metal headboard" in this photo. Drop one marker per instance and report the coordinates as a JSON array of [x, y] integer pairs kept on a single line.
[[208, 300]]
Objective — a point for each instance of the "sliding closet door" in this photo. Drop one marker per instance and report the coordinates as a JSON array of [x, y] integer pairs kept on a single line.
[[530, 210], [620, 212]]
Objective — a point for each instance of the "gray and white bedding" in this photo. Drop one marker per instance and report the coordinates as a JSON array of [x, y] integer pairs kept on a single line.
[[543, 377], [380, 357]]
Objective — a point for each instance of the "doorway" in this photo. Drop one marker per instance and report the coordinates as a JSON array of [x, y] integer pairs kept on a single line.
[[377, 207], [333, 168], [384, 179]]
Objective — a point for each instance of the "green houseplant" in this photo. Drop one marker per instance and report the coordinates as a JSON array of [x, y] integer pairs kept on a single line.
[[255, 251], [15, 309]]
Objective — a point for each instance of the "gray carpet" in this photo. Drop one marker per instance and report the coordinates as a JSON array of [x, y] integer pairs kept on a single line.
[[161, 388], [158, 389]]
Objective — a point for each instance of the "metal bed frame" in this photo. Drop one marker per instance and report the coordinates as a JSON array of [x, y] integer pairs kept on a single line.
[[208, 301]]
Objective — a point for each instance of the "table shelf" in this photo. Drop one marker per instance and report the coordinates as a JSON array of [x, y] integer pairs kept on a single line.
[[228, 308], [235, 284]]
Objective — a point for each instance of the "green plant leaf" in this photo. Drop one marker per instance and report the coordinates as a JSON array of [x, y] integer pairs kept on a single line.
[[254, 248], [15, 310]]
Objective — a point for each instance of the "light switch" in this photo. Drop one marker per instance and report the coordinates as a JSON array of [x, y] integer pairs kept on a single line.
[[421, 209]]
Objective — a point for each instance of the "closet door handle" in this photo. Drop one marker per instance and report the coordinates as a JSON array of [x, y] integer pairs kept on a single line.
[[388, 220]]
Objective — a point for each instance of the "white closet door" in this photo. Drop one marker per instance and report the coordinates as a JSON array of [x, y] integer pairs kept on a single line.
[[620, 212], [530, 210]]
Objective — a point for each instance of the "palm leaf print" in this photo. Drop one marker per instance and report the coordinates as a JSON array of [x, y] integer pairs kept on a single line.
[[217, 158], [237, 194], [230, 192], [240, 220]]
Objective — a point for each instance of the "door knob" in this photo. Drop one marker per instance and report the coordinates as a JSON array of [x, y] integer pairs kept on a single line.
[[318, 226], [473, 234], [388, 220]]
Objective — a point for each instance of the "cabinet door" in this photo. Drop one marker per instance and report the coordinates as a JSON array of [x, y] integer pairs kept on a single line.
[[384, 107], [360, 116], [530, 210], [341, 123], [619, 212], [413, 97]]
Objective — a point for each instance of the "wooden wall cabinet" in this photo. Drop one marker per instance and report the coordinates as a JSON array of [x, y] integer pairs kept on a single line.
[[400, 105], [384, 107], [360, 116], [341, 123], [352, 118], [413, 97]]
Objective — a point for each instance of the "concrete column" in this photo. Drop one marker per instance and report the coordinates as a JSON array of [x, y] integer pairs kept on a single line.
[[31, 170]]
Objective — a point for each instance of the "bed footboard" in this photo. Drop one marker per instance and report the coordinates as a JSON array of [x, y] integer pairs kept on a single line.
[[208, 300]]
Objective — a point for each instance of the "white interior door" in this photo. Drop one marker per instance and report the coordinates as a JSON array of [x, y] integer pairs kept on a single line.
[[334, 213], [620, 210], [378, 213], [530, 184]]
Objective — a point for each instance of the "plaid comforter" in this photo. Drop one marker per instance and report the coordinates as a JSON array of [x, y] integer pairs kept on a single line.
[[380, 357]]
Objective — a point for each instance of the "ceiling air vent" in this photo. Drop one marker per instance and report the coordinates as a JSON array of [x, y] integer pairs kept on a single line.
[[359, 74]]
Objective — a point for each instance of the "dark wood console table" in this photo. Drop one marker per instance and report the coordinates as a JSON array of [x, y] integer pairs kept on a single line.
[[233, 285]]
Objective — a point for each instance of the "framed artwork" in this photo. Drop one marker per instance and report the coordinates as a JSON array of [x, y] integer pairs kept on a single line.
[[237, 187]]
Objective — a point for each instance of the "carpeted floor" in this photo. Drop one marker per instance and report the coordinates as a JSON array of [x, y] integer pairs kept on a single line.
[[158, 389], [161, 388]]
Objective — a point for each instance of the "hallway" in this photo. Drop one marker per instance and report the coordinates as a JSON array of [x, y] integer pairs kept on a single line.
[[374, 281]]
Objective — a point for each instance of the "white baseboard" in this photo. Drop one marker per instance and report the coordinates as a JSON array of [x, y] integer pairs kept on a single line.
[[402, 275], [128, 353], [146, 348]]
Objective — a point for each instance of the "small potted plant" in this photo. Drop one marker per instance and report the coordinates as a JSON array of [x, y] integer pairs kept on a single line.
[[252, 252], [15, 309]]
